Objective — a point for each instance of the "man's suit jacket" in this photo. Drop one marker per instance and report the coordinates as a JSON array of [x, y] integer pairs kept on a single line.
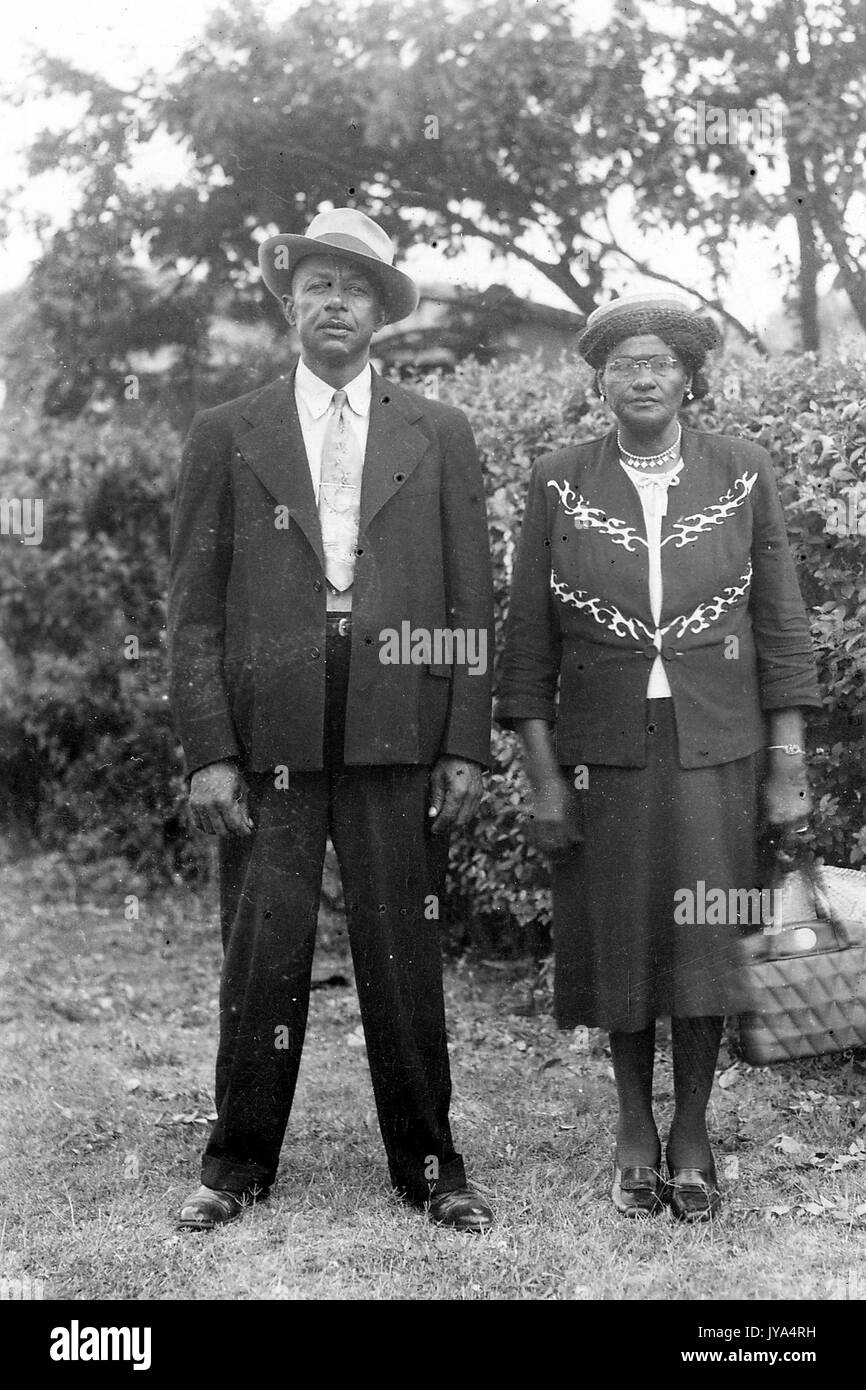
[[247, 593], [735, 636]]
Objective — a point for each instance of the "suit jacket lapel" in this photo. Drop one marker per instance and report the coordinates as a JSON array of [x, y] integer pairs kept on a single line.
[[394, 446], [274, 449], [611, 488], [690, 495]]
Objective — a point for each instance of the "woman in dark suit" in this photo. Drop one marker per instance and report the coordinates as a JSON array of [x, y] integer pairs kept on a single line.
[[654, 585]]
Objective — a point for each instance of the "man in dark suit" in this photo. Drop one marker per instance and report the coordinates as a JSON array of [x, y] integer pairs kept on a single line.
[[330, 615]]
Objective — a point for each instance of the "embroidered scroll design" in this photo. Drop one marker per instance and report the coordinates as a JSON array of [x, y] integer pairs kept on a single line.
[[687, 528], [610, 617], [594, 519], [705, 613], [684, 530]]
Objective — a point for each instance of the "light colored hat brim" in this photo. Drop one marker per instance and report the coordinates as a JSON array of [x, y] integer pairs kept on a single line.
[[666, 316], [400, 294]]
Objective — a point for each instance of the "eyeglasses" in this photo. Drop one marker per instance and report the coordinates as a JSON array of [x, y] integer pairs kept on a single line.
[[626, 367]]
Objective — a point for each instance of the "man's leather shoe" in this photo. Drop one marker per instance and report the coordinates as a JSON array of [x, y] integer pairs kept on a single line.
[[463, 1209], [637, 1191], [693, 1193], [210, 1206]]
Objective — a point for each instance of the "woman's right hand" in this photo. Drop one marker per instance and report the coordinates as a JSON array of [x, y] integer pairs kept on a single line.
[[553, 819]]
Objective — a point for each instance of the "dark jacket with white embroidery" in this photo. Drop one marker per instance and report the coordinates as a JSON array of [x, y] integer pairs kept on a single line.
[[735, 635]]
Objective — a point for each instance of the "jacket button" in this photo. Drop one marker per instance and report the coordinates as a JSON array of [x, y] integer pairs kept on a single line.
[[650, 652], [318, 586], [315, 653], [669, 653]]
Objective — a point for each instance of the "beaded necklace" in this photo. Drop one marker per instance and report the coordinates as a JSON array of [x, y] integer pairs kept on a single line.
[[651, 460]]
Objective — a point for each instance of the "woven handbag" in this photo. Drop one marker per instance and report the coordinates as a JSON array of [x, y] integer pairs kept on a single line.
[[805, 977]]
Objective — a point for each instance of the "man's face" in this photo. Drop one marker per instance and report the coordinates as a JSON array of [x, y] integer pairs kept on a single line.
[[336, 308]]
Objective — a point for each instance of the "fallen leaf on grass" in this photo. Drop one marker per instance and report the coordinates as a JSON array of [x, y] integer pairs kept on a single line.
[[786, 1145], [728, 1077], [731, 1167], [837, 1208], [551, 1062], [73, 1012], [835, 1163], [840, 1161]]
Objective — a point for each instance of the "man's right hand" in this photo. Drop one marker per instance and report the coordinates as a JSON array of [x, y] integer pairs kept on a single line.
[[553, 818], [218, 800]]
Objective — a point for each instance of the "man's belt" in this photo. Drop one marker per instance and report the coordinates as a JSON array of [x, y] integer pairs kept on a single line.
[[338, 624]]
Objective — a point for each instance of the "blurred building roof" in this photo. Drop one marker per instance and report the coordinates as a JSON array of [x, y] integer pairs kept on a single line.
[[451, 323]]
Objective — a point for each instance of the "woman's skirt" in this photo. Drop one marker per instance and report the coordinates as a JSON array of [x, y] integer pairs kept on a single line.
[[649, 910]]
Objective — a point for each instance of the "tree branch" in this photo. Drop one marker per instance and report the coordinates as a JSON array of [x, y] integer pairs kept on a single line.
[[849, 272], [715, 304]]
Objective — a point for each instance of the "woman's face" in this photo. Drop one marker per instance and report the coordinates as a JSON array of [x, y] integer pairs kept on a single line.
[[647, 400]]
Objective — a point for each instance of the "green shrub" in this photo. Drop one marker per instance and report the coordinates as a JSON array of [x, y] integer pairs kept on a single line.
[[811, 416], [83, 616], [95, 724]]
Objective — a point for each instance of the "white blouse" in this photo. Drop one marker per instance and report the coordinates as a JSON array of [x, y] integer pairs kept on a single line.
[[652, 489]]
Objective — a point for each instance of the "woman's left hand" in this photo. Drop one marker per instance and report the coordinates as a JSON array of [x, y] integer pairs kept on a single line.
[[787, 794]]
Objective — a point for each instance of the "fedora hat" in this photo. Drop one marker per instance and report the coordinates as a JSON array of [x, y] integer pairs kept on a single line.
[[350, 234]]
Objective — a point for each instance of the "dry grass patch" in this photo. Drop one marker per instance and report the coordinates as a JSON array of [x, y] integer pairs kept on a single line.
[[109, 1031]]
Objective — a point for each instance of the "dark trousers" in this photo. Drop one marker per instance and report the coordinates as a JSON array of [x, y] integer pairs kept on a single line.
[[269, 896]]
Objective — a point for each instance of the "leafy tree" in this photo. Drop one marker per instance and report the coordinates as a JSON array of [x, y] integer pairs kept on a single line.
[[803, 63], [501, 120], [95, 291], [498, 118]]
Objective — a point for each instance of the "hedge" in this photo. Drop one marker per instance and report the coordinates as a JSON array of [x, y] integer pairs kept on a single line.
[[84, 721], [811, 416]]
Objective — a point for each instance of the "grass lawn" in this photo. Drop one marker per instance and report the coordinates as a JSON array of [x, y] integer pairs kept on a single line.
[[108, 1039]]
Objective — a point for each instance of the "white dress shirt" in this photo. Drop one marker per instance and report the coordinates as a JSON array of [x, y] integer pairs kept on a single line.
[[652, 489], [313, 397]]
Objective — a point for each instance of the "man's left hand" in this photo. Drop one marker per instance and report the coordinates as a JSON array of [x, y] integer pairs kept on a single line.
[[455, 791]]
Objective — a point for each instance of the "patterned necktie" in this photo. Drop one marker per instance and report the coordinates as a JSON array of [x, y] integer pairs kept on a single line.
[[340, 494]]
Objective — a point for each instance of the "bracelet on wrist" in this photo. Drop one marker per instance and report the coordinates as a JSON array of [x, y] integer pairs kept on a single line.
[[793, 749]]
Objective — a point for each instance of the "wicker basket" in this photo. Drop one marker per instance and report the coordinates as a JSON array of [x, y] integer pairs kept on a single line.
[[805, 976]]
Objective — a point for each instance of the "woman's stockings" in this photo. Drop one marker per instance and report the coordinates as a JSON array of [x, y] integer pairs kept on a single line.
[[637, 1140], [696, 1044]]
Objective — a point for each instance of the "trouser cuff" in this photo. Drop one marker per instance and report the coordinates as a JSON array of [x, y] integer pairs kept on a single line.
[[419, 1186]]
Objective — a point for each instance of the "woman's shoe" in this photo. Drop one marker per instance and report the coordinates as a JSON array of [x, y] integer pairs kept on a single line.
[[637, 1192], [693, 1193]]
